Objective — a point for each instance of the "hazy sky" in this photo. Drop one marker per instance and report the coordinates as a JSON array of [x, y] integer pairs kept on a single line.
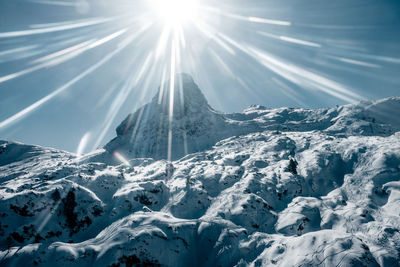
[[75, 68]]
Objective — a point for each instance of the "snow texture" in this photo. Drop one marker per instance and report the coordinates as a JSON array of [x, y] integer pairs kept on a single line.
[[264, 187]]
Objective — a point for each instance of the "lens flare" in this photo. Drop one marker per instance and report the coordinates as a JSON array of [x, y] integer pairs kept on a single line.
[[259, 47]]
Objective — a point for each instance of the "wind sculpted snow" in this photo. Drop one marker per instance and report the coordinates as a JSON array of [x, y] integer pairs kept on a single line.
[[264, 187]]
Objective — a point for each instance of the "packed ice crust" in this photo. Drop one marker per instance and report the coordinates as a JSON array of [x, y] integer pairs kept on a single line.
[[264, 187]]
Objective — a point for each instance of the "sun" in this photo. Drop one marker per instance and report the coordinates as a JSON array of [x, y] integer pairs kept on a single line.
[[176, 12]]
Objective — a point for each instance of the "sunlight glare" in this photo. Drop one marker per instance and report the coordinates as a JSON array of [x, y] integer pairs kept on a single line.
[[176, 12]]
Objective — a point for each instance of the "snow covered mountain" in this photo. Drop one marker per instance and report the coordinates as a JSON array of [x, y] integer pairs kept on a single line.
[[181, 117], [192, 125], [264, 187]]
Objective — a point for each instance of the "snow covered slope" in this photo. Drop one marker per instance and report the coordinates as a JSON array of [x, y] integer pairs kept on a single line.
[[265, 187]]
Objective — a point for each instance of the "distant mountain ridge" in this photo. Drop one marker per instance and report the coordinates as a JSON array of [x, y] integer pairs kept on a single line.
[[195, 126]]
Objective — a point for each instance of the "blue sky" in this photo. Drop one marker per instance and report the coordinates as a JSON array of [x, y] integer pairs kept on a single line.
[[70, 68]]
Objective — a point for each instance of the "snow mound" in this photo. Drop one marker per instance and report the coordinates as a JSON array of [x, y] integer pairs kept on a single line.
[[284, 187]]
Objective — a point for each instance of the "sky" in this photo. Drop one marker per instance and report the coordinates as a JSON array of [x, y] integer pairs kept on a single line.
[[71, 71]]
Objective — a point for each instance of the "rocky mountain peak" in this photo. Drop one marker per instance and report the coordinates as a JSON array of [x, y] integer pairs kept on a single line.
[[187, 97], [151, 131]]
